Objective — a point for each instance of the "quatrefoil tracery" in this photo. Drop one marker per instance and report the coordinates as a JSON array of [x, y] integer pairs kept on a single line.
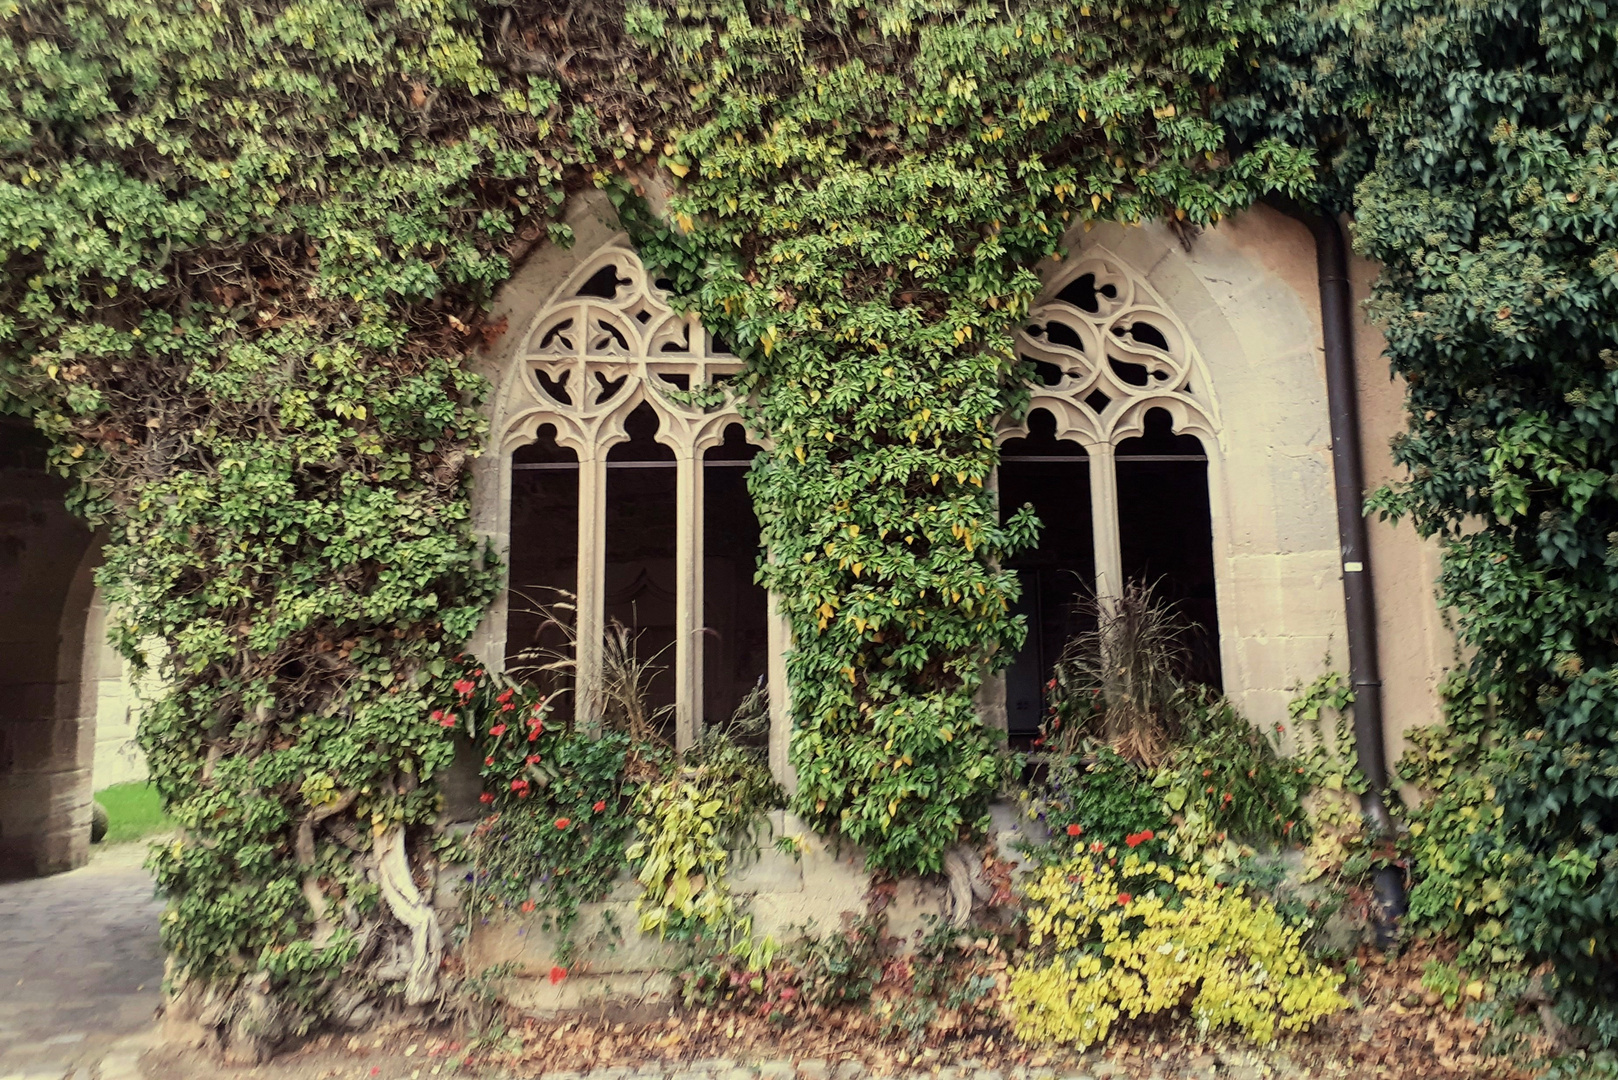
[[1106, 348], [609, 341]]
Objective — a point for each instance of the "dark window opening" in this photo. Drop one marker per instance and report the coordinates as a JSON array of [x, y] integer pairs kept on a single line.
[[1047, 373], [544, 559], [640, 572], [735, 608], [560, 333], [1147, 334], [609, 390], [556, 388], [603, 284], [1133, 374], [1054, 476], [1165, 530], [616, 334], [1058, 333], [1081, 292]]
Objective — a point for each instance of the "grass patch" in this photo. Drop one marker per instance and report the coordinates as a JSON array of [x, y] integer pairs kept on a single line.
[[133, 812]]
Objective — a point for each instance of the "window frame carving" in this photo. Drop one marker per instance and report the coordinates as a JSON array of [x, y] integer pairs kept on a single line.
[[620, 350], [1177, 382]]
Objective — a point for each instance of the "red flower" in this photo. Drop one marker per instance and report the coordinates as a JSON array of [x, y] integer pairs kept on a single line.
[[505, 696], [1148, 835], [531, 758], [1039, 742], [478, 672], [1124, 898], [527, 906], [557, 974], [438, 714], [519, 784], [1075, 829], [485, 798], [464, 687], [601, 804], [488, 761], [562, 822], [533, 734], [1134, 839], [448, 720], [1097, 847], [498, 730], [507, 707]]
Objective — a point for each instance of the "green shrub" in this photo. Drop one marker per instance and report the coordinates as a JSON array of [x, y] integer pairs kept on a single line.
[[1112, 935], [1225, 780], [691, 823], [559, 801], [1474, 145], [1461, 861], [1100, 796]]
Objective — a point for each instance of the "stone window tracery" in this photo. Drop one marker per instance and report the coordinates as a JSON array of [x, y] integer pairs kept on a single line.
[[1118, 391], [606, 345], [1107, 352]]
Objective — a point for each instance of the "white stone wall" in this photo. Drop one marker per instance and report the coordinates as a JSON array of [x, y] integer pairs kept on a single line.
[[111, 700]]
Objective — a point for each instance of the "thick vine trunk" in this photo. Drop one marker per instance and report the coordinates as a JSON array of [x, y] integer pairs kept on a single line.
[[410, 908]]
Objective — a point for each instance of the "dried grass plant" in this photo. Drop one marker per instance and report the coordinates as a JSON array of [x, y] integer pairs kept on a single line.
[[1133, 664], [625, 678]]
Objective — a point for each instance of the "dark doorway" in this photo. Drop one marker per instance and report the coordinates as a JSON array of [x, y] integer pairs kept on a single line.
[[735, 608], [45, 593], [1054, 476], [544, 557], [1165, 531]]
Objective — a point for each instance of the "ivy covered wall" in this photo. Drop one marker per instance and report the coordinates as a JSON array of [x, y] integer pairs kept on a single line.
[[246, 253]]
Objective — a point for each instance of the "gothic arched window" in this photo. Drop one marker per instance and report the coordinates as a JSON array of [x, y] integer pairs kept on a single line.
[[623, 436], [1113, 455]]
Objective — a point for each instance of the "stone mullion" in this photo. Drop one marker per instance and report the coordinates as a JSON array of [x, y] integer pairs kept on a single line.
[[1104, 522], [591, 598], [688, 560]]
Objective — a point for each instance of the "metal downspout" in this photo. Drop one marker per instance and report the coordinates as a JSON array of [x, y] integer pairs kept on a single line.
[[1359, 601]]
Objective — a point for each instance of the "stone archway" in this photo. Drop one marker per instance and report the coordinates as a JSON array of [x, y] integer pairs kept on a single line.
[[47, 558]]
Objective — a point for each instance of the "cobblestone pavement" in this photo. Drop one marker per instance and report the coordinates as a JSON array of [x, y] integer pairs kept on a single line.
[[80, 969]]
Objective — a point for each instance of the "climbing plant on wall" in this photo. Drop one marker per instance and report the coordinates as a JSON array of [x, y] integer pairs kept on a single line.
[[244, 250], [1477, 143], [864, 194]]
